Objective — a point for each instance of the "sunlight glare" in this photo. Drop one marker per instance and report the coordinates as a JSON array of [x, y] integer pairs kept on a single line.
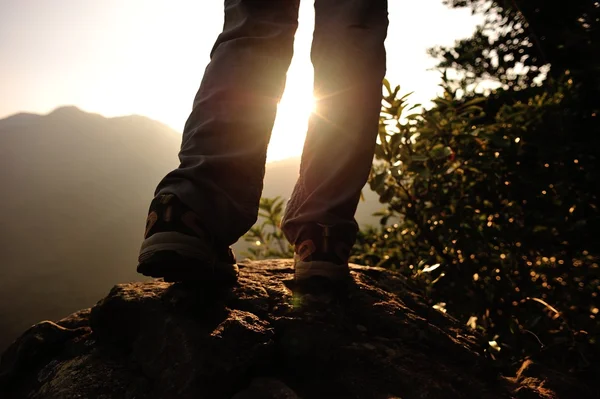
[[297, 102], [291, 123]]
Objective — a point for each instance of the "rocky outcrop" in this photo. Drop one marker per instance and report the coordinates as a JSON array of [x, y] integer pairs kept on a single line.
[[259, 340]]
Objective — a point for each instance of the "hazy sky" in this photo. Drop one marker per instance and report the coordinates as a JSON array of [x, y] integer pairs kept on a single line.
[[118, 57]]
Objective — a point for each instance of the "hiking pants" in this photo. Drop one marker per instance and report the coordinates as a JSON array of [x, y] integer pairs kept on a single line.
[[225, 139]]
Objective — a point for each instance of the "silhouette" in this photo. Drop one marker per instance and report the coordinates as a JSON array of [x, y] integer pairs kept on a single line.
[[201, 208]]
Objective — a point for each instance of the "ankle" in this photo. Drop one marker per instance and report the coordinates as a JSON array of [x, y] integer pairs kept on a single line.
[[326, 243]]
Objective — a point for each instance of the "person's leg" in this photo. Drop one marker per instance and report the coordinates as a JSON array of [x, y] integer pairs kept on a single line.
[[349, 59], [223, 150]]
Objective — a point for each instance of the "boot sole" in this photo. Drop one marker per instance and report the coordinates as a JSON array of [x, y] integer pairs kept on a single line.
[[322, 279], [177, 257], [331, 271]]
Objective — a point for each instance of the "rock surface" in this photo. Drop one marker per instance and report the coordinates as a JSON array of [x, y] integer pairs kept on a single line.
[[258, 341]]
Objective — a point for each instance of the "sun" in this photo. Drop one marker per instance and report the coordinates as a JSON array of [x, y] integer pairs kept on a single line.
[[291, 123]]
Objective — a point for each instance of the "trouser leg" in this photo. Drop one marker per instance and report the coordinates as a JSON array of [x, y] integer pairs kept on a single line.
[[349, 59], [224, 144]]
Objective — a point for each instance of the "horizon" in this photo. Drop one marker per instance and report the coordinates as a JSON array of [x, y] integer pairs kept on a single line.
[[62, 107], [111, 59]]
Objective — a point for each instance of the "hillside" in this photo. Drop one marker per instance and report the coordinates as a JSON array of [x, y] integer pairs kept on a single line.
[[75, 191]]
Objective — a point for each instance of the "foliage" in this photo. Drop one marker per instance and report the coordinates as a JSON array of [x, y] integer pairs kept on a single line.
[[492, 221], [266, 237]]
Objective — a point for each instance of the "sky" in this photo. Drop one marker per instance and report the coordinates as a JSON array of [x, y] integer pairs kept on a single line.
[[147, 57]]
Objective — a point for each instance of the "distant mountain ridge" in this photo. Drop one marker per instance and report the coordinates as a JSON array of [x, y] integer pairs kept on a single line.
[[19, 119], [75, 192]]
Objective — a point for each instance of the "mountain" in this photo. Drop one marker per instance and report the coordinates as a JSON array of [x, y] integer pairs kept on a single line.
[[75, 191]]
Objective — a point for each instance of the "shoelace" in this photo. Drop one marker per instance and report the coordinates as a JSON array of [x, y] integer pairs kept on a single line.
[[326, 235]]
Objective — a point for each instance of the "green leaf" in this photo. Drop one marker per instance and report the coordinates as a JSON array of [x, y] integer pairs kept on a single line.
[[388, 87], [387, 195], [431, 268], [396, 171], [475, 101], [439, 151], [377, 183], [395, 141], [380, 152], [404, 97]]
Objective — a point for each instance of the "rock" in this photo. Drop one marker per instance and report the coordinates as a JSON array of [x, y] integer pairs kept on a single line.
[[39, 343], [266, 388], [259, 340], [536, 381]]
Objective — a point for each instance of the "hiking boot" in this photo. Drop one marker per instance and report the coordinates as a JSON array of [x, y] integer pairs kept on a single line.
[[178, 249], [322, 255]]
